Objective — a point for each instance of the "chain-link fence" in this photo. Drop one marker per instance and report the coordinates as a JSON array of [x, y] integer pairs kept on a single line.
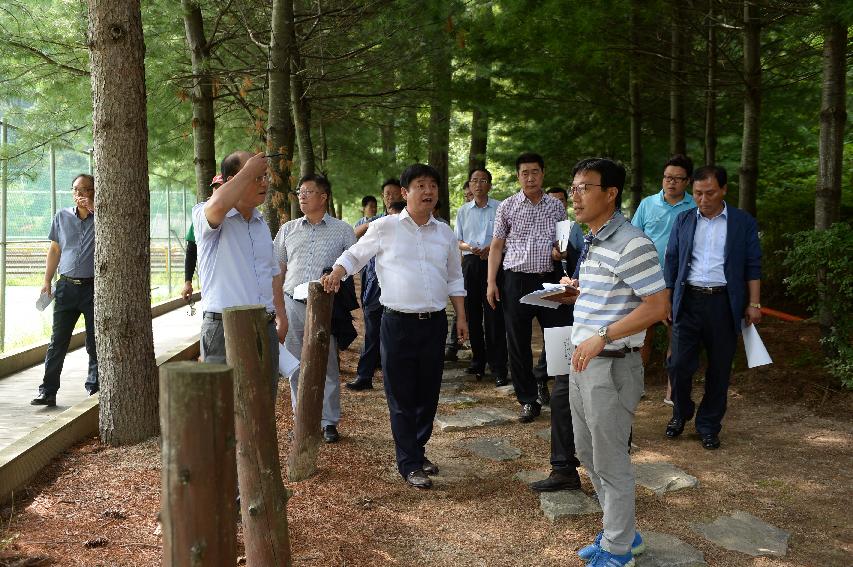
[[34, 184]]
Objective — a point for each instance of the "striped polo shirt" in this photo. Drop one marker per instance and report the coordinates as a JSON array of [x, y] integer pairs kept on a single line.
[[620, 268]]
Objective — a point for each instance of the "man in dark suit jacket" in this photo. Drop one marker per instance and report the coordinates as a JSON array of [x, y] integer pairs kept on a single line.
[[713, 268]]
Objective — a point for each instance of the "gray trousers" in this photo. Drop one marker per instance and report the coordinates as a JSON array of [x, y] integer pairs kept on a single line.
[[212, 345], [603, 399], [332, 390]]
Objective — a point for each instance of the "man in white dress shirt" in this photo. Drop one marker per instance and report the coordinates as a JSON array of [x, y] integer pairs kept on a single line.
[[236, 263], [418, 266]]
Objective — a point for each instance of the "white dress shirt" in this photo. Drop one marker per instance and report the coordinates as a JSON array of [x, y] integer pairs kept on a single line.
[[707, 264], [418, 266], [236, 263]]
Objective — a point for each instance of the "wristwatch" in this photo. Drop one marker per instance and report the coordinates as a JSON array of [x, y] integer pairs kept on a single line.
[[602, 332], [756, 305]]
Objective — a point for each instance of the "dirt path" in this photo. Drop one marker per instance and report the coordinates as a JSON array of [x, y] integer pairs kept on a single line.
[[786, 455]]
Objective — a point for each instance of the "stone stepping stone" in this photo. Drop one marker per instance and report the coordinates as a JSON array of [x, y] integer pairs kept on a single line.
[[556, 505], [494, 448], [663, 477], [474, 417], [745, 533], [663, 550], [507, 391], [544, 434], [451, 387], [453, 398], [530, 476]]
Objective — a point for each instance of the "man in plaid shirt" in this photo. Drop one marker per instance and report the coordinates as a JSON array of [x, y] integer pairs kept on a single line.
[[525, 228]]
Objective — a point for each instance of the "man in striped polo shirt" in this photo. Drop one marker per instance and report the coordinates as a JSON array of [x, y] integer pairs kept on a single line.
[[622, 293]]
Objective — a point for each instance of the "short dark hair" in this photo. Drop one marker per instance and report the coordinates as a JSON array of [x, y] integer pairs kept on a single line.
[[367, 199], [390, 181], [321, 180], [484, 170], [553, 190], [419, 170], [91, 179], [528, 157], [682, 161], [717, 171], [612, 174], [397, 206], [231, 164], [466, 185]]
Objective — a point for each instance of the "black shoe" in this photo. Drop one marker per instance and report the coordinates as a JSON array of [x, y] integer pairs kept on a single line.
[[529, 412], [44, 400], [476, 371], [711, 441], [419, 479], [93, 391], [558, 480], [429, 467], [675, 427], [330, 434], [360, 384], [501, 381], [543, 395], [450, 355]]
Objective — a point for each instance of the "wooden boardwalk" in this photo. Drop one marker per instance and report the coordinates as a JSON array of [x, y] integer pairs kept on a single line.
[[18, 417]]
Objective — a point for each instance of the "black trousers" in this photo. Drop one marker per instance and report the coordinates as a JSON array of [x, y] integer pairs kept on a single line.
[[703, 320], [485, 325], [369, 359], [70, 301], [519, 328], [562, 432], [412, 363]]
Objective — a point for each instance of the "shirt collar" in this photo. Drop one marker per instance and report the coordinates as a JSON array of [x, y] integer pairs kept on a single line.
[[256, 214], [687, 199], [724, 213], [323, 220], [472, 204], [617, 220], [404, 214]]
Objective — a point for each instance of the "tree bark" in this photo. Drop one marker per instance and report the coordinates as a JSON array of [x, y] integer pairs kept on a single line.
[[751, 107], [204, 121], [263, 498], [387, 135], [125, 346], [302, 462], [636, 114], [301, 114], [677, 141], [280, 130], [833, 117], [480, 119], [711, 89], [199, 472], [439, 118]]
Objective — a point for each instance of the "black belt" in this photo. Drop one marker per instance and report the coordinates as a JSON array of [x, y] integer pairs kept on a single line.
[[77, 281], [302, 301], [214, 316], [428, 315], [707, 290], [618, 353]]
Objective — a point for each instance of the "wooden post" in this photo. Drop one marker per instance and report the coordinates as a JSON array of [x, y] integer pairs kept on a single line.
[[312, 380], [198, 506], [263, 498]]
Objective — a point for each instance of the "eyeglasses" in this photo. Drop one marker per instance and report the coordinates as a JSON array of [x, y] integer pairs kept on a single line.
[[479, 181], [306, 193], [582, 188], [674, 178]]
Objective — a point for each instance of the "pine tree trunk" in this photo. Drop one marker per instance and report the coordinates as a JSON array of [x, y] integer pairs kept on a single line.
[[280, 130], [751, 108], [636, 115], [833, 117], [127, 371], [387, 134], [204, 121], [301, 114], [677, 142], [480, 119], [439, 118], [711, 92]]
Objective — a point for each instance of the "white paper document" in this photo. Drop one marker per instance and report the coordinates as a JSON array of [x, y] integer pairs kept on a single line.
[[540, 297], [44, 299], [564, 231], [300, 292], [756, 352], [558, 348], [287, 363]]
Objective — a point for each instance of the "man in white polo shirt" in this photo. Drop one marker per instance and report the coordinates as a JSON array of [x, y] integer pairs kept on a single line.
[[236, 263]]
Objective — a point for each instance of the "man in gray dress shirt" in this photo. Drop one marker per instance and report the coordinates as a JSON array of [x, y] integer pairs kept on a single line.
[[72, 250], [305, 246]]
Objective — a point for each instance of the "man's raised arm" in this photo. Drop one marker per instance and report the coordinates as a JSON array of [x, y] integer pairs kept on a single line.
[[224, 198]]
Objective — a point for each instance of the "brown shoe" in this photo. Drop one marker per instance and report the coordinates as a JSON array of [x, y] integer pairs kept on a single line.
[[419, 479]]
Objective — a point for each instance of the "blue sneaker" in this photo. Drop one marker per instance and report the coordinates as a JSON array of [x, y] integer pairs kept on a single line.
[[606, 559], [638, 546]]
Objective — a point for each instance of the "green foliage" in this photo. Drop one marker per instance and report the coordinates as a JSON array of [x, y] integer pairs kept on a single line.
[[821, 264]]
